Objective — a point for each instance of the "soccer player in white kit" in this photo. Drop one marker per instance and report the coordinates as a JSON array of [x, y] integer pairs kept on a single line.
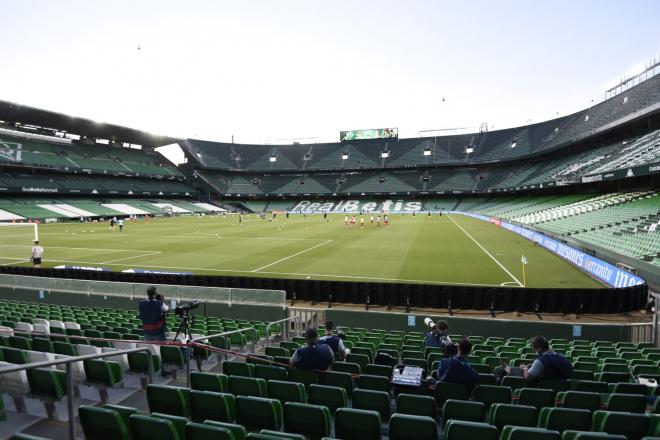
[[345, 220]]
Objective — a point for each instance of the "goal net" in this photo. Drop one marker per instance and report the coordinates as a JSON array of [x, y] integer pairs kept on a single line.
[[16, 241]]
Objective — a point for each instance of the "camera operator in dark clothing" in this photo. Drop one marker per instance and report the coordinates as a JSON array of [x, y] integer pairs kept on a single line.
[[457, 369], [152, 315], [315, 356], [438, 337]]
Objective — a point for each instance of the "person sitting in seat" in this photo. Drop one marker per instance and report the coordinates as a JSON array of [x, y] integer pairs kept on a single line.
[[438, 337], [457, 369], [315, 356], [548, 365], [333, 341]]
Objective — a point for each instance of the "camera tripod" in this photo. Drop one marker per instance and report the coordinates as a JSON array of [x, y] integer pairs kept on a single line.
[[184, 329]]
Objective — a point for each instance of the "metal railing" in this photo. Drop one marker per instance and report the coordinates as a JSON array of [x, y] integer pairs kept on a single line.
[[297, 325], [69, 374], [231, 332], [133, 291]]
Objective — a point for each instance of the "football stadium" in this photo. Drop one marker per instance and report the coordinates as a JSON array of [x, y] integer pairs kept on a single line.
[[166, 275]]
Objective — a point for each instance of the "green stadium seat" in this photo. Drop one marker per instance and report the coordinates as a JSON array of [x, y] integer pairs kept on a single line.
[[347, 367], [332, 397], [554, 384], [211, 405], [168, 400], [489, 394], [139, 362], [374, 383], [200, 431], [633, 426], [247, 386], [267, 434], [47, 383], [590, 386], [106, 373], [461, 430], [270, 372], [378, 370], [357, 424], [588, 435], [612, 377], [447, 390], [634, 403], [463, 410], [277, 351], [258, 412], [405, 427], [629, 388], [372, 400], [102, 423], [286, 391], [232, 368], [339, 379], [305, 377], [416, 405], [124, 411], [209, 382], [313, 421], [502, 414], [151, 428], [536, 397], [178, 422], [516, 383], [239, 431], [562, 419], [522, 433], [360, 359], [579, 400]]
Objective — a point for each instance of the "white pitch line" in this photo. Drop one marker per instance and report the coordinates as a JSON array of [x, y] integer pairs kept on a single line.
[[291, 256], [182, 236], [78, 248], [486, 251], [92, 263], [134, 256]]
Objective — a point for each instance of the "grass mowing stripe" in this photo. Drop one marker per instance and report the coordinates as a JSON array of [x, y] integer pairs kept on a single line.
[[291, 256], [129, 258], [486, 251]]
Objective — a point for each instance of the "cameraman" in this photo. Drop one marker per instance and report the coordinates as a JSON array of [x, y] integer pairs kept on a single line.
[[152, 315], [438, 337]]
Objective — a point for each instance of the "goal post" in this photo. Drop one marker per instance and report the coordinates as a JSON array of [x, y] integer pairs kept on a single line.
[[16, 241]]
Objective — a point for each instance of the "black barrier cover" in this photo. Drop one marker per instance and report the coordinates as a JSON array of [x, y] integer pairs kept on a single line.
[[604, 300]]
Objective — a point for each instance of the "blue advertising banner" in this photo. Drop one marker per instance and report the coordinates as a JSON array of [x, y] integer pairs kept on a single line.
[[609, 274], [157, 272]]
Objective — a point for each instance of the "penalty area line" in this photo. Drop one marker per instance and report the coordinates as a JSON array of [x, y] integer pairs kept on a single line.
[[486, 252], [291, 256]]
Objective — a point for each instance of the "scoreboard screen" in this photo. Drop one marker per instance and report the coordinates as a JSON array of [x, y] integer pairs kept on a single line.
[[375, 133]]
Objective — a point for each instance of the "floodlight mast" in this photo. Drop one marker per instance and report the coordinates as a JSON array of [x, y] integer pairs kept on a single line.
[[651, 68]]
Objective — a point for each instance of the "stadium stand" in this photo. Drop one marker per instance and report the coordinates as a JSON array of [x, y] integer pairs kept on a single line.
[[261, 397], [68, 156]]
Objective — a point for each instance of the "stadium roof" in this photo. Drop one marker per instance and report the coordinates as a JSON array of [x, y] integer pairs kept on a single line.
[[16, 113]]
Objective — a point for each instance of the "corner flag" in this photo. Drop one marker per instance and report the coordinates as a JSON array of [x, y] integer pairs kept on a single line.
[[523, 260]]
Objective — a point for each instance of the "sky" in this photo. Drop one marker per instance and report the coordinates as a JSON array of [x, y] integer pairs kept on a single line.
[[266, 71]]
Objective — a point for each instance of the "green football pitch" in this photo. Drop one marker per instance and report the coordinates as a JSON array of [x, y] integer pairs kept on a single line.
[[450, 249]]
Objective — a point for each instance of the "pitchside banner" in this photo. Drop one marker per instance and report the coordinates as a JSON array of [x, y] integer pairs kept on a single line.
[[611, 275], [376, 133]]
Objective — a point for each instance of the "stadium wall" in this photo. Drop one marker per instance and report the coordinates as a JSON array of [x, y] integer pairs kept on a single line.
[[592, 301]]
